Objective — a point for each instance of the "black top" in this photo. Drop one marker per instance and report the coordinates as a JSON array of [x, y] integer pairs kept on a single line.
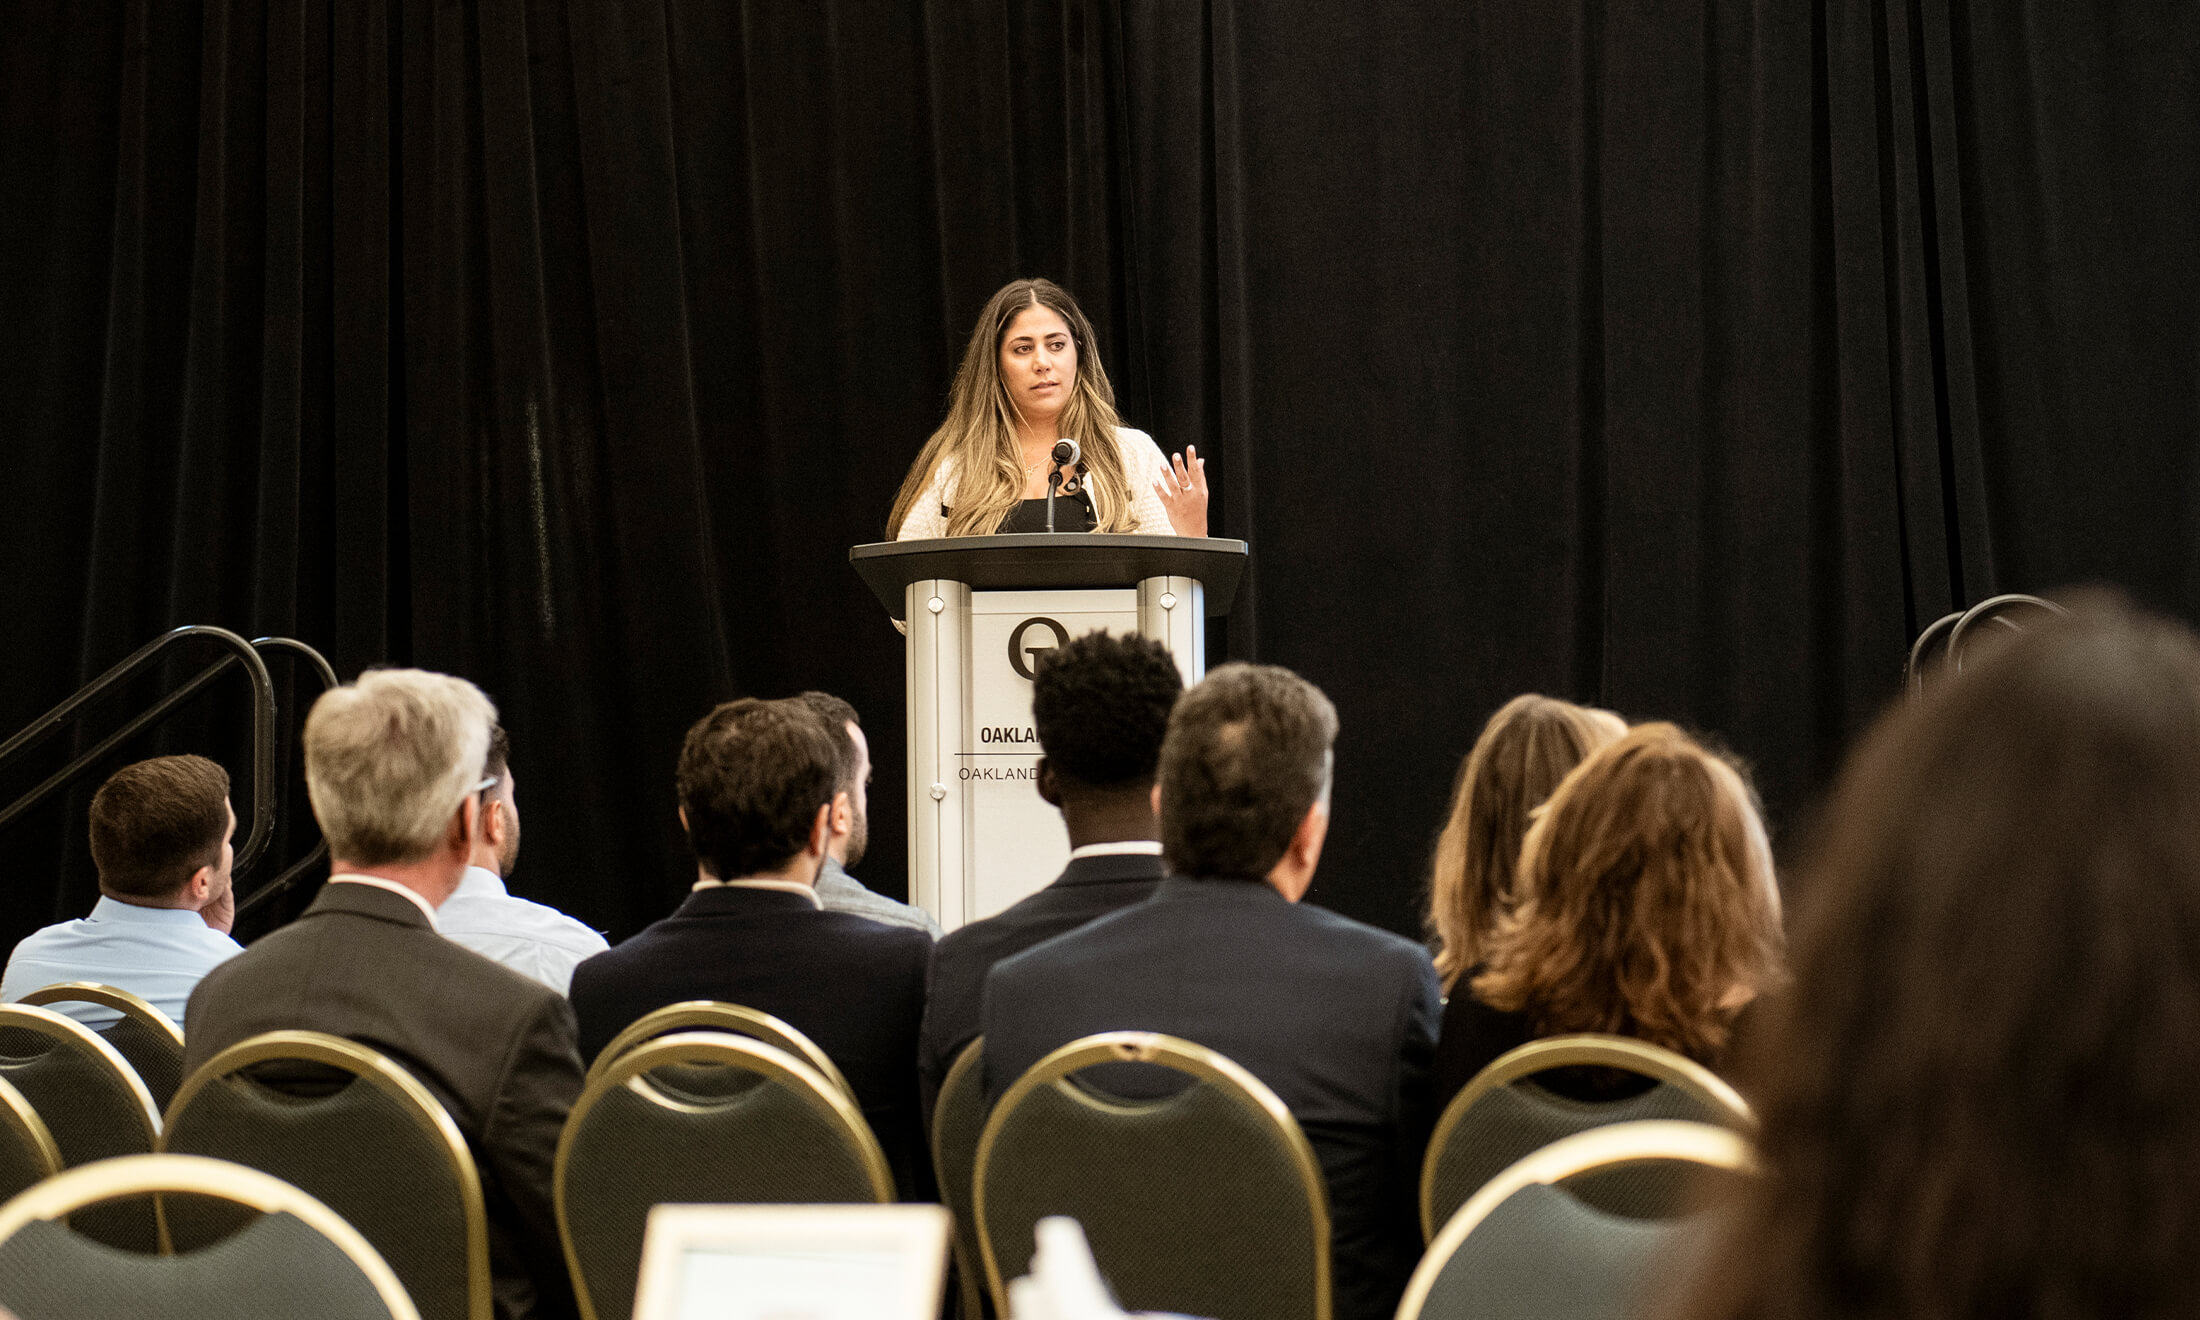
[[854, 986], [1338, 1018], [1476, 1034], [1072, 513], [1088, 887]]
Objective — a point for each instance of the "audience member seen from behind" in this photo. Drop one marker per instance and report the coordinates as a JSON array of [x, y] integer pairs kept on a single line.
[[757, 781], [1031, 376], [532, 939], [1100, 706], [1527, 747], [394, 771], [851, 824], [1337, 1018], [161, 838], [1646, 906], [1978, 1094]]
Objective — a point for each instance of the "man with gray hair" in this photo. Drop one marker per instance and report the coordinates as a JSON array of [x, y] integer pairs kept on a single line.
[[1339, 1019], [394, 768]]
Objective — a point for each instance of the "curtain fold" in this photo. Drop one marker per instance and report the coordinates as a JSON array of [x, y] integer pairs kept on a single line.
[[1685, 357]]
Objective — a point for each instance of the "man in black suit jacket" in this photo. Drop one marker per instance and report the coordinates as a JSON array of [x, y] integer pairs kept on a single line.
[[393, 767], [1099, 706], [1337, 1018], [756, 785]]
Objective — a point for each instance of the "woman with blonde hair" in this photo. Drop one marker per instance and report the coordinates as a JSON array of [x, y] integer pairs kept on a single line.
[[1646, 907], [1527, 747], [1031, 376]]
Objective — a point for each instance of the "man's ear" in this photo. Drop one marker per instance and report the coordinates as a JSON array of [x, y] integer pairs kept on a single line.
[[465, 826], [821, 827], [1050, 788], [199, 887], [494, 822], [843, 809], [1155, 797]]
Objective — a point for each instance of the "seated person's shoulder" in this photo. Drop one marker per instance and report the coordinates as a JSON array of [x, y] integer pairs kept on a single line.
[[1363, 940]]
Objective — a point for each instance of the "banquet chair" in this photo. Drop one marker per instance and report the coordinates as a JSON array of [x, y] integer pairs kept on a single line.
[[1206, 1201], [712, 1015], [958, 1116], [360, 1134], [27, 1153], [293, 1257], [1503, 1114], [92, 1101], [147, 1038], [699, 1116], [1525, 1247]]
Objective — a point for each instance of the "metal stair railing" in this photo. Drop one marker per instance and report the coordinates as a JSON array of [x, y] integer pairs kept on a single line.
[[251, 655]]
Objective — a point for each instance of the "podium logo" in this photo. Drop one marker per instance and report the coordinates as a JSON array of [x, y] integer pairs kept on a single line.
[[1022, 658]]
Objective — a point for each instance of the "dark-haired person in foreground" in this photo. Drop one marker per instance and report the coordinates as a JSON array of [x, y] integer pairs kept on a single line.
[[533, 939], [394, 770], [1338, 1018], [161, 838], [756, 785], [1979, 1095], [851, 824], [1100, 706]]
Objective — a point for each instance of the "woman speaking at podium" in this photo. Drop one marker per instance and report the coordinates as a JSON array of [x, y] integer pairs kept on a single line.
[[1029, 379]]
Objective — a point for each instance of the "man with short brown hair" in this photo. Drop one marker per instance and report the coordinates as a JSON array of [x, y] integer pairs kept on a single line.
[[1338, 1018], [851, 824], [756, 783], [160, 833]]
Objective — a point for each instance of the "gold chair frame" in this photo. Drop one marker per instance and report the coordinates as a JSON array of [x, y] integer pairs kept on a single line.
[[969, 1264], [1598, 1149], [630, 1070], [717, 1015], [1582, 1049], [106, 996], [1208, 1066], [374, 1069], [46, 1022], [16, 1113], [195, 1175]]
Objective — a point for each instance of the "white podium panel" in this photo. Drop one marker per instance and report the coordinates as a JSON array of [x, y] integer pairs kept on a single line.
[[980, 835]]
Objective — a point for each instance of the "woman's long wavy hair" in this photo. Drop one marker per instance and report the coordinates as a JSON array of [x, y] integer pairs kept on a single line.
[[979, 435], [1646, 905], [1979, 1094], [1527, 747]]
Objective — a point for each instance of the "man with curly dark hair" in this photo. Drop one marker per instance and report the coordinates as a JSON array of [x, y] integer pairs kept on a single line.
[[1099, 706]]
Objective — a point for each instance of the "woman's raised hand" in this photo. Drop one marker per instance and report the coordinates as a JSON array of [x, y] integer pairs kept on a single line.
[[1183, 491]]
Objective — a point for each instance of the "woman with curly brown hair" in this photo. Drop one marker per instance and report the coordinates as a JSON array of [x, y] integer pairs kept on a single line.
[[1979, 1095], [1647, 907], [1527, 747]]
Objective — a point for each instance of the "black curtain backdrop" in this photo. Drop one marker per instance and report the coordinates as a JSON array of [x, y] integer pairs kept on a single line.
[[1684, 356]]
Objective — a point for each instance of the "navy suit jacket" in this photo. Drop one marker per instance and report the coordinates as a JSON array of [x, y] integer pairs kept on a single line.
[[1088, 887], [854, 986], [1338, 1018]]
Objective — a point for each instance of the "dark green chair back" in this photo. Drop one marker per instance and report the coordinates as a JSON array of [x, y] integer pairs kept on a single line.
[[699, 1117], [1206, 1202], [1503, 1115], [27, 1153], [292, 1257], [93, 1103], [958, 1117], [147, 1038], [352, 1129], [1527, 1247]]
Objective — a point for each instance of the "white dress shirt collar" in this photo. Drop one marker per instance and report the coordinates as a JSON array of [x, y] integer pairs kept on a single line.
[[784, 886], [480, 882], [110, 908], [427, 909], [1120, 848]]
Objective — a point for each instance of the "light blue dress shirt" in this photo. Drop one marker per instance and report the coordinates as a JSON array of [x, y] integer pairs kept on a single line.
[[535, 941], [157, 954]]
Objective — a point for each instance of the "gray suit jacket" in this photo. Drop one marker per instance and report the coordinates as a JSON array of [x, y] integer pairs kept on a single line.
[[495, 1047]]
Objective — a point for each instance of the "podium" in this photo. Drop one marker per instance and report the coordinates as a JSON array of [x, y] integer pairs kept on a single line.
[[979, 610]]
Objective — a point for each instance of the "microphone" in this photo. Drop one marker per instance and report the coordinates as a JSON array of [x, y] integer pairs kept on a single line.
[[1066, 452]]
